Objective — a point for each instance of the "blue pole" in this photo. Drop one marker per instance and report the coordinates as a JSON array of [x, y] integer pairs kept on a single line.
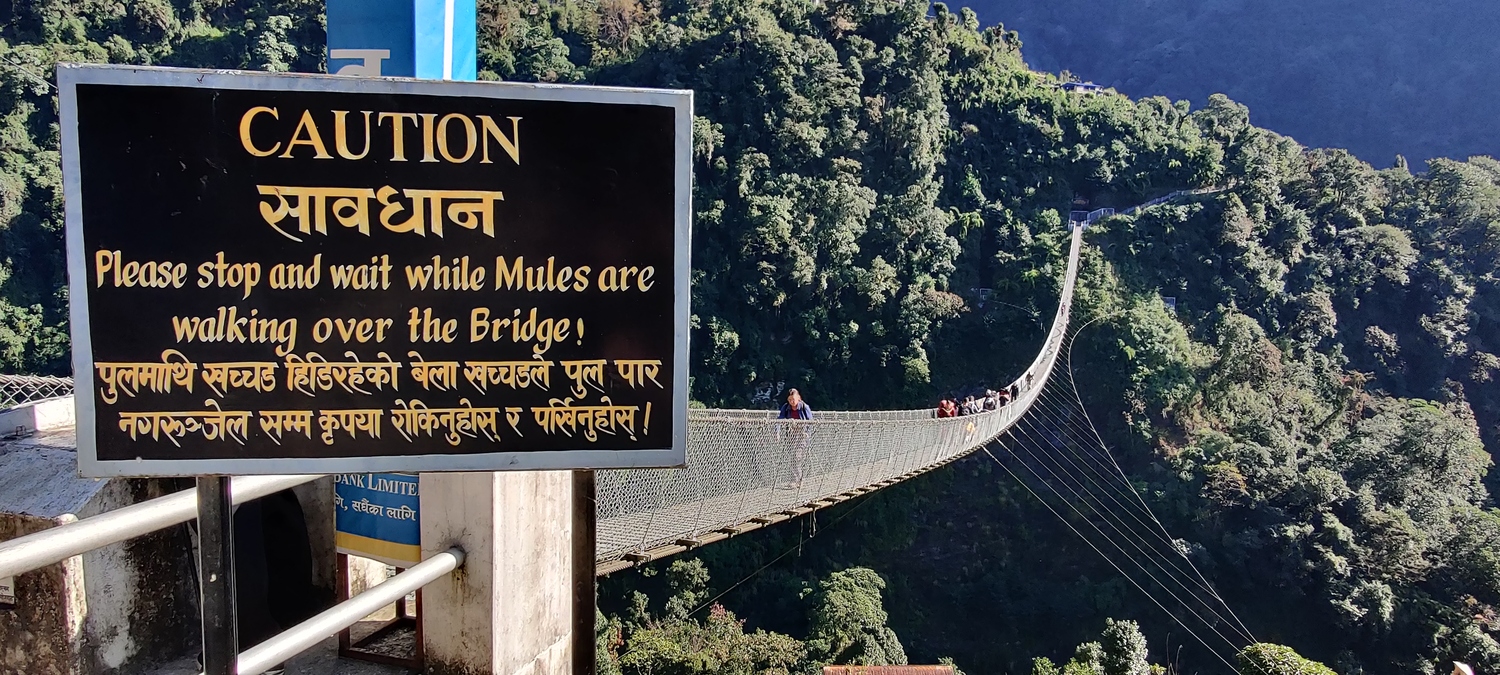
[[429, 39]]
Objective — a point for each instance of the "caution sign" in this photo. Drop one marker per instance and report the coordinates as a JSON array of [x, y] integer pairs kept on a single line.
[[300, 273]]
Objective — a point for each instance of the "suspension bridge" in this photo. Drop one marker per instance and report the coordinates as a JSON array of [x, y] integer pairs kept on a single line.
[[746, 470], [740, 461]]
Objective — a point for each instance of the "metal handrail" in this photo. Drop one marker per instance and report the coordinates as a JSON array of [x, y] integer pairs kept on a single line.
[[16, 390], [34, 551], [301, 637]]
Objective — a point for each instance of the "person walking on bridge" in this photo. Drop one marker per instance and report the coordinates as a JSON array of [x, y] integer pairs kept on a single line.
[[797, 409]]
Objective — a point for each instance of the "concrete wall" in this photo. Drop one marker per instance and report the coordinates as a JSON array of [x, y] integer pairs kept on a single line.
[[115, 608], [121, 607], [81, 616], [36, 638], [27, 418]]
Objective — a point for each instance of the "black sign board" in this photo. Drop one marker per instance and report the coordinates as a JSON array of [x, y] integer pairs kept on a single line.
[[317, 274]]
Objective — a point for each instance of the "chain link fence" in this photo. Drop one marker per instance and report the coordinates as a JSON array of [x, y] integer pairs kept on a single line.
[[18, 389]]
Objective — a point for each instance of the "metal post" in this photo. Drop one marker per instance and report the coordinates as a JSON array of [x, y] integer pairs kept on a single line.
[[216, 562], [585, 536]]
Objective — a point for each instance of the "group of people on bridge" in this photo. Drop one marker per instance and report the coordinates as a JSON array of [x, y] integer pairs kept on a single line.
[[797, 409], [972, 405], [798, 437]]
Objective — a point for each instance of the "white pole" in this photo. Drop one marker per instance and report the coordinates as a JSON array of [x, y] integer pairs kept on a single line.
[[299, 638], [24, 554]]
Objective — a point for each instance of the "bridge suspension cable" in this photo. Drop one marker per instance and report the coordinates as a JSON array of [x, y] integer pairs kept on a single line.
[[1083, 503], [1066, 458], [1095, 444], [1091, 445], [1133, 582], [1176, 561]]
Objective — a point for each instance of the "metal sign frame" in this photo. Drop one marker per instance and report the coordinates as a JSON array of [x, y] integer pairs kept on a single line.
[[69, 76]]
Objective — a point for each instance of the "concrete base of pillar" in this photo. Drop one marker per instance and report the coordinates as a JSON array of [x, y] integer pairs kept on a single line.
[[509, 611]]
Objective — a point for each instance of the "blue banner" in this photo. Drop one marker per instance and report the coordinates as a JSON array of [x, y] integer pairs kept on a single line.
[[376, 516]]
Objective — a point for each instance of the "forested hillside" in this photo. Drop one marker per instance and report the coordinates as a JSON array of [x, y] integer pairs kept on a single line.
[[276, 35], [1380, 77], [1312, 420]]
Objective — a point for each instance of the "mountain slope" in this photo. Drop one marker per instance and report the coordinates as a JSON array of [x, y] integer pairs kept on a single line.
[[1379, 78]]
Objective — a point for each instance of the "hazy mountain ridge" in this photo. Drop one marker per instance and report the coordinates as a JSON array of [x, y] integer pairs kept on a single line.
[[1380, 78]]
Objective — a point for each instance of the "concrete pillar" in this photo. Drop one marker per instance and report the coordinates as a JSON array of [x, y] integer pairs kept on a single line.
[[316, 499], [509, 610]]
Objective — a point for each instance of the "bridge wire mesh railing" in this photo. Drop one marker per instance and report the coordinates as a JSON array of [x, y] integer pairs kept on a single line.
[[21, 389], [746, 464]]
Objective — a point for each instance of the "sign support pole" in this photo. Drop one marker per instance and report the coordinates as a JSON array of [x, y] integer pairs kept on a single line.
[[216, 572], [585, 534], [428, 39], [386, 37]]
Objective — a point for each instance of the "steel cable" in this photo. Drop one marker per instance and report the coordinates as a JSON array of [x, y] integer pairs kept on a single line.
[[1044, 412], [1103, 448], [1155, 526], [1110, 561], [1031, 434]]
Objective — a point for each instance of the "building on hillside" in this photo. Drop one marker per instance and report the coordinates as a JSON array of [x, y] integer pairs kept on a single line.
[[1082, 87], [887, 670]]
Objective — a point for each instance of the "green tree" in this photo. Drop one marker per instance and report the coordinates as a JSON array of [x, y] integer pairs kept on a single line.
[[719, 644], [848, 621], [1269, 659], [1124, 649]]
